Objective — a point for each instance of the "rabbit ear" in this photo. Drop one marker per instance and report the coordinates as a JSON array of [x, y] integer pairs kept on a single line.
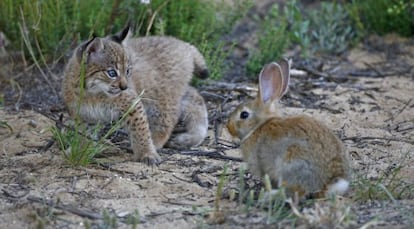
[[271, 83], [285, 66]]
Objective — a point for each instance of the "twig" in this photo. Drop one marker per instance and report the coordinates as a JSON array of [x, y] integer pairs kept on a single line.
[[181, 179], [195, 178], [374, 69], [108, 167], [107, 183], [211, 154], [376, 73], [400, 111], [77, 211], [405, 128], [47, 146], [227, 144], [222, 86], [356, 139], [14, 195], [181, 203], [315, 72], [65, 207]]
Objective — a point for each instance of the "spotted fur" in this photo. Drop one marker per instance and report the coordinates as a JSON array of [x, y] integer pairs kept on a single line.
[[162, 67]]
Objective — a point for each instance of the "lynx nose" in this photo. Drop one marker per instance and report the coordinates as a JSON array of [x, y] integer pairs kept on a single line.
[[123, 84]]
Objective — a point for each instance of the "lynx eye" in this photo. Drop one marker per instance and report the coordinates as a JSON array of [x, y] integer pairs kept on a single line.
[[128, 72], [244, 115], [112, 73]]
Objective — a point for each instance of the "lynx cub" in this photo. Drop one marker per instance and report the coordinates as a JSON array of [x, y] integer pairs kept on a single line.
[[118, 68]]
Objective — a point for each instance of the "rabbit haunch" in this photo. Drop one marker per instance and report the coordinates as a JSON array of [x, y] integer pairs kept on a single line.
[[117, 68], [297, 152]]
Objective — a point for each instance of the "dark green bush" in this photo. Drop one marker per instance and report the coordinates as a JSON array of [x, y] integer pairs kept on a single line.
[[384, 16]]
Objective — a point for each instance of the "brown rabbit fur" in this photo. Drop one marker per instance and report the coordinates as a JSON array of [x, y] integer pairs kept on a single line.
[[118, 68], [297, 152]]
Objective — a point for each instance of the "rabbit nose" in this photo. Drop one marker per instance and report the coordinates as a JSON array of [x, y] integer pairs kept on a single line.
[[231, 128]]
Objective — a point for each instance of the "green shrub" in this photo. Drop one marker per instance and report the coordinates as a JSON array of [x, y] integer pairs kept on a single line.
[[332, 29], [48, 29], [326, 29], [272, 42], [384, 16], [51, 25]]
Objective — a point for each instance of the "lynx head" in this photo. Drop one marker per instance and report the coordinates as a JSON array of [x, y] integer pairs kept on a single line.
[[106, 64]]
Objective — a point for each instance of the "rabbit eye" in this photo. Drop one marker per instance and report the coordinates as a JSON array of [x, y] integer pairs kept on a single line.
[[244, 114], [112, 73]]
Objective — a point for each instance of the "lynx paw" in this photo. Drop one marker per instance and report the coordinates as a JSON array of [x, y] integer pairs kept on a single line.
[[150, 159]]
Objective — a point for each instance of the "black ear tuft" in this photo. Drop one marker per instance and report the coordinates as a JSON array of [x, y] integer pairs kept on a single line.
[[120, 36], [82, 48]]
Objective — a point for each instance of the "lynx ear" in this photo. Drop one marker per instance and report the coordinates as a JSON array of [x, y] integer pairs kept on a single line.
[[120, 36], [90, 50]]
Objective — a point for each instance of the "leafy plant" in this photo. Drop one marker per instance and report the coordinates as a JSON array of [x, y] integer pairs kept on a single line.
[[328, 28], [46, 29], [268, 200], [272, 41], [201, 23], [332, 30], [51, 25], [109, 221], [299, 26], [216, 216], [383, 16], [134, 219]]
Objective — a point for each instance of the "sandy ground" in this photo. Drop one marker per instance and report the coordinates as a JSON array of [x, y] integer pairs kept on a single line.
[[366, 96], [373, 115]]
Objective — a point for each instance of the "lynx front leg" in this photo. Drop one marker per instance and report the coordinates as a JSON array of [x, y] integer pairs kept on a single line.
[[140, 136], [162, 119]]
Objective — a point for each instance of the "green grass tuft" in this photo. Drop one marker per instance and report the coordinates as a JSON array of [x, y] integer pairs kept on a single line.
[[385, 187], [389, 185], [46, 30]]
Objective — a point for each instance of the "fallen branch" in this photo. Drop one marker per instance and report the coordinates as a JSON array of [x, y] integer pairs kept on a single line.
[[209, 154], [315, 72], [65, 207], [222, 86], [77, 211], [392, 118], [374, 72], [357, 139]]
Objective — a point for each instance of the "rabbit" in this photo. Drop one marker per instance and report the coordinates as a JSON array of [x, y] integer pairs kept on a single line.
[[296, 152]]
